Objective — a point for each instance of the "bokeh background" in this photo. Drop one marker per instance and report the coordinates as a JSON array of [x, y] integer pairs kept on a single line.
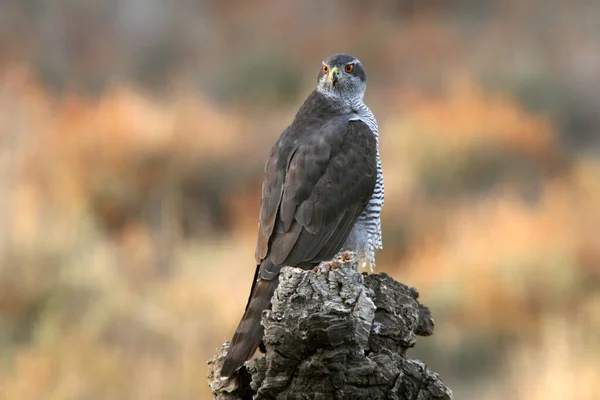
[[133, 134]]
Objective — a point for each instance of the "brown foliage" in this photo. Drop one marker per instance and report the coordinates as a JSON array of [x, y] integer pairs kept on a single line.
[[127, 220]]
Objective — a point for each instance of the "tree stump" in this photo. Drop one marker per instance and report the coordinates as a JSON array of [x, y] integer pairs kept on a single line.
[[336, 333]]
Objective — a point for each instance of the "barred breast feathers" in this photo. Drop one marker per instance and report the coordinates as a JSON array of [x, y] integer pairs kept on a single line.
[[369, 219]]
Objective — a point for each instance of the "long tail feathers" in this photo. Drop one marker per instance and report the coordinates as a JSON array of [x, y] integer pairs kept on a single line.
[[249, 332]]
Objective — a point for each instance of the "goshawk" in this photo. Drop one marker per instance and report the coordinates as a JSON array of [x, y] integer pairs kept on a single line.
[[322, 192]]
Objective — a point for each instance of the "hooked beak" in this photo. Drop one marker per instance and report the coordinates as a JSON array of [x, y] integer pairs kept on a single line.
[[334, 76]]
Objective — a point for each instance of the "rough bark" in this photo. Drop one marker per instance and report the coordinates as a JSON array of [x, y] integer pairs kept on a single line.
[[334, 333]]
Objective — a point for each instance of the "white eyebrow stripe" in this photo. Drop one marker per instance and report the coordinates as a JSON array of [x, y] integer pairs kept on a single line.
[[353, 62], [349, 62]]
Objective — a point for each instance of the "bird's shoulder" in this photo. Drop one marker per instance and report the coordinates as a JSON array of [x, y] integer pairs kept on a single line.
[[319, 119], [316, 155], [318, 131], [340, 157]]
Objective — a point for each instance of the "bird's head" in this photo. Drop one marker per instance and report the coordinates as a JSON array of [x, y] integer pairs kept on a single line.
[[342, 76]]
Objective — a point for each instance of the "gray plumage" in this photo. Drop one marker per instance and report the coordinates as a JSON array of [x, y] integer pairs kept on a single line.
[[322, 192]]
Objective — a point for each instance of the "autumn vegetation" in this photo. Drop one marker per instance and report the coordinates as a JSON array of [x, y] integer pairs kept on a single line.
[[128, 207]]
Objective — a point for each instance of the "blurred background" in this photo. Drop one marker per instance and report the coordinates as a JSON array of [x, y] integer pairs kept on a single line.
[[133, 135]]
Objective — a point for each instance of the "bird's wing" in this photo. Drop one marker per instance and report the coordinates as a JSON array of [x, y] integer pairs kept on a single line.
[[312, 199], [272, 189], [314, 190]]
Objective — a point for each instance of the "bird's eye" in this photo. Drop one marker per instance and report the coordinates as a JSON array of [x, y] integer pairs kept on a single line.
[[325, 69], [349, 68]]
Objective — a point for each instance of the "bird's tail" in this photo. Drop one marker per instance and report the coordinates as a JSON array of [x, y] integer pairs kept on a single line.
[[249, 332]]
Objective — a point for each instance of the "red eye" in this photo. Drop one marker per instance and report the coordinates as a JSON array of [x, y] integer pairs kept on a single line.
[[349, 68], [325, 69]]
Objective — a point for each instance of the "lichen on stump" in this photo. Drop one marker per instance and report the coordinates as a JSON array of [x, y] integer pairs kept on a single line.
[[335, 333]]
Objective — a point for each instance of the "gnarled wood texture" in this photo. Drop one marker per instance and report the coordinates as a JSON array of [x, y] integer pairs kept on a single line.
[[335, 333]]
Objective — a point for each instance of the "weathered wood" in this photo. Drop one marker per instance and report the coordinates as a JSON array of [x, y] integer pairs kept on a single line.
[[334, 333]]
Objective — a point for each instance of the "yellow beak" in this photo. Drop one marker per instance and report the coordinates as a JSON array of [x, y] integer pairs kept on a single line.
[[334, 75]]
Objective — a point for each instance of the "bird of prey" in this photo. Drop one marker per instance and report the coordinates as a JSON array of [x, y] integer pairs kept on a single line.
[[322, 193]]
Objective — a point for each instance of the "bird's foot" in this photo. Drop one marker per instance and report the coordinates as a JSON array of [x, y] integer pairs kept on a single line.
[[322, 267], [326, 266]]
